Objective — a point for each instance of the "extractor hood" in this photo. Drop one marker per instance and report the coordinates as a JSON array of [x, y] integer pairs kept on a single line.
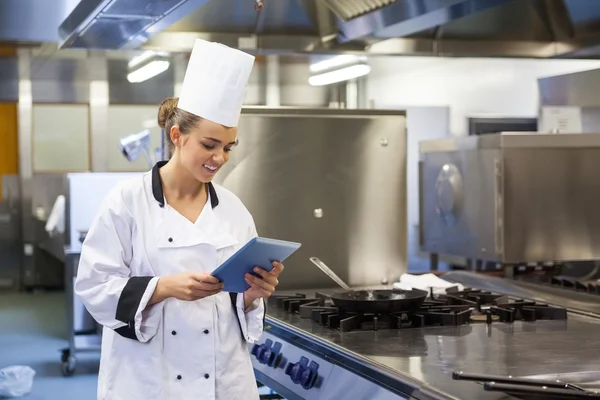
[[349, 9], [120, 24]]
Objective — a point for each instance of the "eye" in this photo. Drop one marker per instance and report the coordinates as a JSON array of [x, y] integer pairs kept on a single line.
[[228, 149], [208, 147]]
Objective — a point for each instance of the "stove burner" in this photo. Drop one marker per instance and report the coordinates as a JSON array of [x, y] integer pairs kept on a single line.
[[453, 308]]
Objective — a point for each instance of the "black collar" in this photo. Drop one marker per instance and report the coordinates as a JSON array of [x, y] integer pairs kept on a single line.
[[157, 189]]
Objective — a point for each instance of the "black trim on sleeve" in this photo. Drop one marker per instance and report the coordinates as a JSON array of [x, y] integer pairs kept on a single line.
[[129, 302], [233, 297]]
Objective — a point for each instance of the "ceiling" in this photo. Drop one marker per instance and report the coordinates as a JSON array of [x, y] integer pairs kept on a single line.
[[458, 28]]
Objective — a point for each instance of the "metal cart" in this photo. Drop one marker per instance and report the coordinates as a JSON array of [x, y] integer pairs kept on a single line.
[[84, 334]]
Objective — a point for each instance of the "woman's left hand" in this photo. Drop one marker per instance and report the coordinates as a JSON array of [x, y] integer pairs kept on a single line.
[[264, 286]]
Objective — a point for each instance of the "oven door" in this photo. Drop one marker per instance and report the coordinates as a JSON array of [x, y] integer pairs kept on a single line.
[[461, 194]]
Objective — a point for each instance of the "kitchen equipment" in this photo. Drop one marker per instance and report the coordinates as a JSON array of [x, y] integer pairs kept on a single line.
[[312, 349], [134, 145], [305, 192], [511, 197], [372, 301], [528, 387], [452, 309], [330, 273]]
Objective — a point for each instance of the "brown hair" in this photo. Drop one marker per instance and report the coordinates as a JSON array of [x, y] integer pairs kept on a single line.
[[169, 115]]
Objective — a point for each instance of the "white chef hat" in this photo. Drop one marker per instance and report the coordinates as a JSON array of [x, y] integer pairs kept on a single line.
[[215, 82]]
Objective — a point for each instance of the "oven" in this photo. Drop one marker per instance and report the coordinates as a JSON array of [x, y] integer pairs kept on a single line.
[[511, 197]]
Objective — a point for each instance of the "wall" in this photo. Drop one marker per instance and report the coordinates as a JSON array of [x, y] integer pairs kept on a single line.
[[61, 84], [9, 155], [504, 87]]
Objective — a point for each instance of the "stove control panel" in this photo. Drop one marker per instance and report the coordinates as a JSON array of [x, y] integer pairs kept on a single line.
[[298, 374], [301, 374]]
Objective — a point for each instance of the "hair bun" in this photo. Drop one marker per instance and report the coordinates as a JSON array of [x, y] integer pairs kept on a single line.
[[166, 110]]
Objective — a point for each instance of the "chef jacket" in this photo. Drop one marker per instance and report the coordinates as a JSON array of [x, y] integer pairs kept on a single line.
[[172, 350]]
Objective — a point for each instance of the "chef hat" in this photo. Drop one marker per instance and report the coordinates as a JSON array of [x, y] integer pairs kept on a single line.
[[215, 82]]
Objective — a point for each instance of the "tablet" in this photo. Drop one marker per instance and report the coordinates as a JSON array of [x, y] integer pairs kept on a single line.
[[258, 252]]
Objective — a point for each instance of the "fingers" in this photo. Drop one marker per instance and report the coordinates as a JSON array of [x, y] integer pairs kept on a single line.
[[266, 276], [208, 287], [256, 288], [278, 268], [204, 277], [268, 285], [206, 282]]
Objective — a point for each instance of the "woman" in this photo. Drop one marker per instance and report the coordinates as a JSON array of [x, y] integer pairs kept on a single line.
[[144, 274]]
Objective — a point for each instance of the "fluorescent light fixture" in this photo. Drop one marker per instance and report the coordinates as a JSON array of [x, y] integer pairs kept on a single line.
[[148, 71], [339, 75], [140, 59], [145, 56], [335, 62]]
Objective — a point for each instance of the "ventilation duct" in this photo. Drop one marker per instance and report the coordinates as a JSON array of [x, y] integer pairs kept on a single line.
[[120, 24], [350, 9]]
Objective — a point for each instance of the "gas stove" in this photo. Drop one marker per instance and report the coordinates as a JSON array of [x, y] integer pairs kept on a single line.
[[453, 308], [313, 349]]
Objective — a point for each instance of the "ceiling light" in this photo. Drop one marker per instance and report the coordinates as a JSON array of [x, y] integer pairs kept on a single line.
[[339, 75], [145, 56], [334, 62], [148, 71]]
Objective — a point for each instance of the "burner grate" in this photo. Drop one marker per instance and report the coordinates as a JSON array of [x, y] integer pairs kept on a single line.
[[451, 309]]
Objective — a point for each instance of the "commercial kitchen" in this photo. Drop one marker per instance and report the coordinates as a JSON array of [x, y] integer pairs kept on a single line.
[[437, 160]]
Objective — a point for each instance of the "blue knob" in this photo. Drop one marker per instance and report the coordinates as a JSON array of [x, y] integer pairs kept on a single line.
[[267, 353], [266, 356], [274, 355], [296, 371], [309, 376]]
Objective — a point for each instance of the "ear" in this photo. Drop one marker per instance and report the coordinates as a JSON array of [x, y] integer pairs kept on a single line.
[[175, 135]]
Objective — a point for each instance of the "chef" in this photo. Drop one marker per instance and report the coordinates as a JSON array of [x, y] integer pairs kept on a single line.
[[169, 332]]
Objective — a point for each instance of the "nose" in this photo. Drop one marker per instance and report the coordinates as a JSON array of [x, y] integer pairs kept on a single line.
[[219, 157]]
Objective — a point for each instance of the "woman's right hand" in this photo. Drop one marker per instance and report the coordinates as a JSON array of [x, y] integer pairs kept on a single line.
[[189, 286]]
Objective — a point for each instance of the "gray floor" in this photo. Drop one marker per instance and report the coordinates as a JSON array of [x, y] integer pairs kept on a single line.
[[32, 333]]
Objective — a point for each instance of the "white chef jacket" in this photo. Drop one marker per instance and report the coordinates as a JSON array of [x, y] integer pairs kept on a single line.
[[173, 350]]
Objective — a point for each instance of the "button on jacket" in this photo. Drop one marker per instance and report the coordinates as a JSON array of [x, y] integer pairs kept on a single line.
[[174, 349]]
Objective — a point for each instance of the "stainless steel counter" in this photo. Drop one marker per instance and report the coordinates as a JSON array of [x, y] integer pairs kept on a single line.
[[419, 362]]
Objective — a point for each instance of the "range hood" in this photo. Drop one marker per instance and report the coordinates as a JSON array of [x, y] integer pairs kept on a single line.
[[450, 28], [405, 18], [350, 9], [120, 24]]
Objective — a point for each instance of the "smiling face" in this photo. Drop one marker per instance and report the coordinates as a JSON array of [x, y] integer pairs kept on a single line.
[[205, 148]]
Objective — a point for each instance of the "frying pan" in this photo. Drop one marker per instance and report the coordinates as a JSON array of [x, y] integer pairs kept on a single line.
[[372, 301]]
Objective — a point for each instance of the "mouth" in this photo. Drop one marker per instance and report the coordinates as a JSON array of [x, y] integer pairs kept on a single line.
[[211, 169]]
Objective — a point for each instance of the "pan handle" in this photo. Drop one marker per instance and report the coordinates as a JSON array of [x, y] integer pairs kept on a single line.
[[330, 273]]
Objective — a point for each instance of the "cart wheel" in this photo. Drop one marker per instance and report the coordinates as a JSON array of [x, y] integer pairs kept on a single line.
[[68, 366], [65, 354]]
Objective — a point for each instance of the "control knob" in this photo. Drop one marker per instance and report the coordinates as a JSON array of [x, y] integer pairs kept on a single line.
[[267, 353], [302, 373]]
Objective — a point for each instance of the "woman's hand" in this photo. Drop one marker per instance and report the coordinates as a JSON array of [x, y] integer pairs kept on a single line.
[[189, 286], [264, 286]]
